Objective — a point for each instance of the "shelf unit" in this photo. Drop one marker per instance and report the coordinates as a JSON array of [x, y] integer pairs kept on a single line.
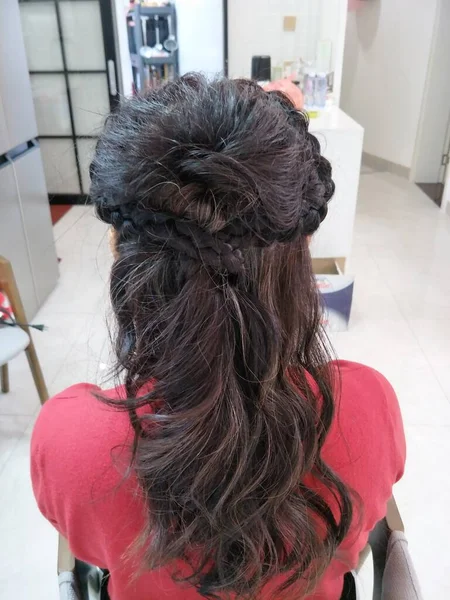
[[137, 61]]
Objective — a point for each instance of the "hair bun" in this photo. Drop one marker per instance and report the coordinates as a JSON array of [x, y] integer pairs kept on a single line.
[[214, 154]]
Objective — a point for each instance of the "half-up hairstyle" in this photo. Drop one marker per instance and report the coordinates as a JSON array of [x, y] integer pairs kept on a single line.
[[212, 189]]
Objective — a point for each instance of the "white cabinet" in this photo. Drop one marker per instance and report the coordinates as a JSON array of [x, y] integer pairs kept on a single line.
[[15, 87], [13, 243], [37, 223], [26, 234], [341, 141]]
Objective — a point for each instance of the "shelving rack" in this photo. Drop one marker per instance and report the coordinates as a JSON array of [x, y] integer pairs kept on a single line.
[[137, 61]]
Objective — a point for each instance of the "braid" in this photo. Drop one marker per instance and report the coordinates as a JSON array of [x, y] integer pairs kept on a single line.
[[222, 248], [220, 251], [320, 186], [319, 191]]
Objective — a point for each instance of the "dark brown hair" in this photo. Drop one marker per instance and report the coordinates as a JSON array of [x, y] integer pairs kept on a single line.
[[213, 189]]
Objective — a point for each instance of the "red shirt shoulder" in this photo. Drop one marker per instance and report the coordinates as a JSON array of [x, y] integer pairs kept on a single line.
[[368, 430], [80, 456]]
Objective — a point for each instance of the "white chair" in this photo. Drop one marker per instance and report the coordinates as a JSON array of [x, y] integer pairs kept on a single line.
[[78, 580], [14, 340], [385, 570]]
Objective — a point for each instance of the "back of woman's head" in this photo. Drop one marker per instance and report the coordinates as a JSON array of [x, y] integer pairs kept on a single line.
[[213, 189]]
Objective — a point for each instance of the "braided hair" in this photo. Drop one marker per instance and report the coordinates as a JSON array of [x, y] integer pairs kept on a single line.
[[213, 189], [220, 249]]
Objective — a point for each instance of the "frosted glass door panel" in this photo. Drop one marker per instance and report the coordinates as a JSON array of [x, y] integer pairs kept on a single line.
[[90, 102], [60, 166], [86, 149], [82, 35], [40, 32], [51, 104], [72, 54]]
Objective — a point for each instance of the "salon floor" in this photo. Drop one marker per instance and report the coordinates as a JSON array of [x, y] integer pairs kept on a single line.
[[400, 325]]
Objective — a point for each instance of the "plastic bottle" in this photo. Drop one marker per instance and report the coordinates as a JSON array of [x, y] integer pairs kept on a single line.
[[320, 90], [309, 88]]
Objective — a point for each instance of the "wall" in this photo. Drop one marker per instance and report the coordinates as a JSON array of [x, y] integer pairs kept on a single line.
[[200, 36], [386, 56], [255, 27], [123, 53], [431, 139]]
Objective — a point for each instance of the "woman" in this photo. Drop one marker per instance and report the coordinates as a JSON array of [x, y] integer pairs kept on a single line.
[[237, 460]]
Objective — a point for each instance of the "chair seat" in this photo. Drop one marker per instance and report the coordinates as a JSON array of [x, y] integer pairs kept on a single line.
[[13, 340]]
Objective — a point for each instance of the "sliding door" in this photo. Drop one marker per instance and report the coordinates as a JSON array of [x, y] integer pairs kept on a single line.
[[72, 64]]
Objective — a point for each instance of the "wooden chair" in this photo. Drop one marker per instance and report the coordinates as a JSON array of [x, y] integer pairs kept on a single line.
[[14, 340]]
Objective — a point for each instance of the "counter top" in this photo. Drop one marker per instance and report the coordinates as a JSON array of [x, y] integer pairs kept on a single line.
[[334, 118]]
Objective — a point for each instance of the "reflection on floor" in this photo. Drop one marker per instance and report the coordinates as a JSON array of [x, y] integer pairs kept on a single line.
[[57, 211], [400, 325], [433, 191]]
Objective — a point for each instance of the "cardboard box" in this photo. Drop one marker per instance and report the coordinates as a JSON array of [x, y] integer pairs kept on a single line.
[[336, 290]]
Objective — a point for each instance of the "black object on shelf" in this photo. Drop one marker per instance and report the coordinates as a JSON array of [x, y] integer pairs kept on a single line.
[[147, 70], [261, 69], [161, 11]]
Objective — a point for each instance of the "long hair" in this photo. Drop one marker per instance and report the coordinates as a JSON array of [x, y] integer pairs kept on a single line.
[[213, 189]]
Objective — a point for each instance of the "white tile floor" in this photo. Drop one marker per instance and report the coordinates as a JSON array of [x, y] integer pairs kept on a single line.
[[400, 325]]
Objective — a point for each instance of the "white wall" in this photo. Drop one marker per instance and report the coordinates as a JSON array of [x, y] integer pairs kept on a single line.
[[200, 36], [386, 58], [123, 54], [433, 126], [255, 27]]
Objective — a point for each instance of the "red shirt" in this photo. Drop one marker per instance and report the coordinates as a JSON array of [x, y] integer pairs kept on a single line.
[[79, 454]]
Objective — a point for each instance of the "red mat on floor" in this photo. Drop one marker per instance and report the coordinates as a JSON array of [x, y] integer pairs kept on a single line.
[[58, 211]]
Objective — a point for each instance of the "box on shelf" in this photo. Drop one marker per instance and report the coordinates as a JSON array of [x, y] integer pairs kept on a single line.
[[336, 290]]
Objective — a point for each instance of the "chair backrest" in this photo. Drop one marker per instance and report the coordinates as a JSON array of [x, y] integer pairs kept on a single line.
[[379, 542], [364, 575], [8, 285], [385, 570], [66, 560], [78, 580]]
